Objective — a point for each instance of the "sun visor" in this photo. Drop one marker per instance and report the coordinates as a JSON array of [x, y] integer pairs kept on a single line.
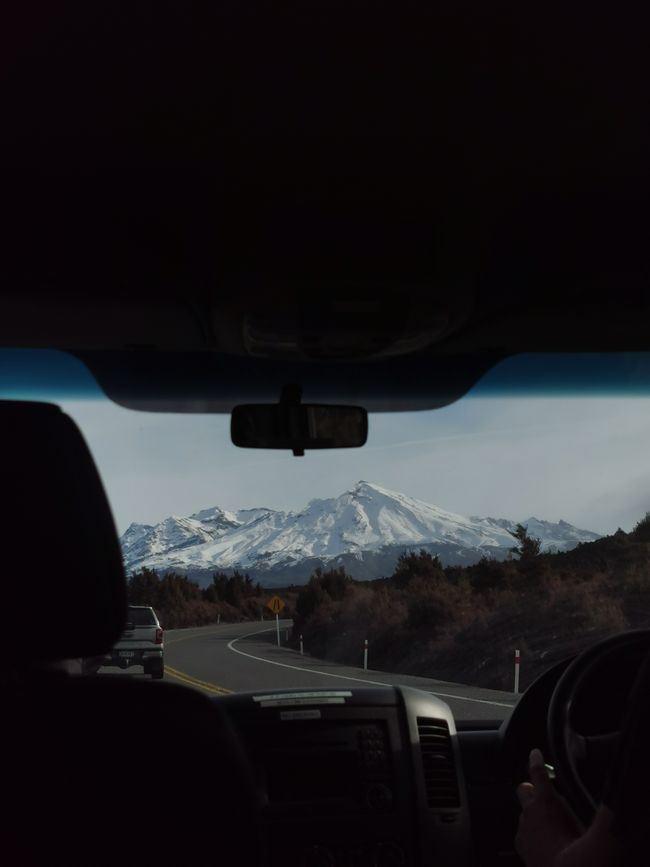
[[205, 382]]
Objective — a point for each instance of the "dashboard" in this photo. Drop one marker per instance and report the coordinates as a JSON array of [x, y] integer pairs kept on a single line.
[[384, 777], [368, 777]]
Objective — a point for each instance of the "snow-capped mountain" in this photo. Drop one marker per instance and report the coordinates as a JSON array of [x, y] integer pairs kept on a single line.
[[365, 529], [141, 542]]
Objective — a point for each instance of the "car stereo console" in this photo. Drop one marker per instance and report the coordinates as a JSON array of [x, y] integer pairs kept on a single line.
[[355, 778]]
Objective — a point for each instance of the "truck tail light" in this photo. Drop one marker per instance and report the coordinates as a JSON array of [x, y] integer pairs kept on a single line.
[[159, 636]]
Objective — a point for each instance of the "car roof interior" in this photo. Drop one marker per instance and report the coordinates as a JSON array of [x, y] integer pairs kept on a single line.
[[321, 181], [206, 201]]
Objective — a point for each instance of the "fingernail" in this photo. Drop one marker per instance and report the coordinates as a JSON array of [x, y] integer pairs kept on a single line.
[[536, 757]]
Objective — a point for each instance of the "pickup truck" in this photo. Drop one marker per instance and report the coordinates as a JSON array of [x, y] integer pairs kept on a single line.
[[141, 643]]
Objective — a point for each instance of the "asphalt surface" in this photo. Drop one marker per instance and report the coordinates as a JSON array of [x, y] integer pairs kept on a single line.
[[244, 656]]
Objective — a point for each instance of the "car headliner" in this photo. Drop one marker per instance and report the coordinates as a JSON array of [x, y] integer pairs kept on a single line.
[[166, 171]]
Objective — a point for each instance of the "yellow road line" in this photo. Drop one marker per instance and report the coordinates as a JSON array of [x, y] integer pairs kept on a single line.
[[194, 681]]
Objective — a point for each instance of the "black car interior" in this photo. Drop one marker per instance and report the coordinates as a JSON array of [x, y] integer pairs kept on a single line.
[[68, 752], [208, 201]]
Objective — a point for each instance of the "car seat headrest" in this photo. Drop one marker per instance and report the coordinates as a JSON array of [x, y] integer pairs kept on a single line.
[[63, 584]]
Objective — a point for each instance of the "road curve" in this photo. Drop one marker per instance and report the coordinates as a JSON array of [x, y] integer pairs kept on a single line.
[[245, 656]]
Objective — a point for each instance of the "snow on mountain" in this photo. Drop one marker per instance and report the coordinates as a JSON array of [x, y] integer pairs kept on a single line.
[[365, 519], [560, 536], [141, 542]]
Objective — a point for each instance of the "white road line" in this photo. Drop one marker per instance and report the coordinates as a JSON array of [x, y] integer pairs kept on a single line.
[[231, 646]]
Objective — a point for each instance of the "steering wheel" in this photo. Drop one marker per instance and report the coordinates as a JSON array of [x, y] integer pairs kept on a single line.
[[573, 751]]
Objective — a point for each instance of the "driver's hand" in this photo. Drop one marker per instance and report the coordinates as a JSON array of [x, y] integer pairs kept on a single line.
[[547, 826]]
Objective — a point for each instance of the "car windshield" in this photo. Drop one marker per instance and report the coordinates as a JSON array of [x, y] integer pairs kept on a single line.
[[464, 550]]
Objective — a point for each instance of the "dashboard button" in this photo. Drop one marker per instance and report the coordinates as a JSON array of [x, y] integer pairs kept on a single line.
[[318, 856], [379, 796], [389, 855]]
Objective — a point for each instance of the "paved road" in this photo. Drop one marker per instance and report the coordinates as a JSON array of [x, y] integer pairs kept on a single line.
[[231, 657]]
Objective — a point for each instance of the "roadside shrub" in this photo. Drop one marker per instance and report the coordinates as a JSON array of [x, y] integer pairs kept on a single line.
[[181, 602], [641, 531], [422, 565]]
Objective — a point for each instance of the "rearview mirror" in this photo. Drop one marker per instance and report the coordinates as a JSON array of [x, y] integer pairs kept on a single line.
[[298, 426]]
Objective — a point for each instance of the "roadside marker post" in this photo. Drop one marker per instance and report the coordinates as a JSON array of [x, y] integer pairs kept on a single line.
[[277, 627], [301, 645], [365, 654], [218, 619], [517, 665]]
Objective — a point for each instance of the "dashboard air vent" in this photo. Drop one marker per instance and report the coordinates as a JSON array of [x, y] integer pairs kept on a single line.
[[440, 778]]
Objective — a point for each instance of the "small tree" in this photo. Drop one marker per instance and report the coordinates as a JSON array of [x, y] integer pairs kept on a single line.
[[528, 547], [310, 598], [335, 582], [143, 588], [642, 530], [421, 565], [487, 574]]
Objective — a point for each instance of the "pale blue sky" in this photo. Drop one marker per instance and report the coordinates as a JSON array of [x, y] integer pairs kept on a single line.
[[498, 451], [585, 460]]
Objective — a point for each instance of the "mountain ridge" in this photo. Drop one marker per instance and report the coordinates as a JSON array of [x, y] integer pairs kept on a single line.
[[364, 529]]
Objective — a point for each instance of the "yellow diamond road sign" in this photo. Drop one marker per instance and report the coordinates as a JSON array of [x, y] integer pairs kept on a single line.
[[275, 604]]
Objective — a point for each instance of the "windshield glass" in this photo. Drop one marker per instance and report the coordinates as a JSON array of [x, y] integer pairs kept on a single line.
[[141, 616], [464, 550]]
